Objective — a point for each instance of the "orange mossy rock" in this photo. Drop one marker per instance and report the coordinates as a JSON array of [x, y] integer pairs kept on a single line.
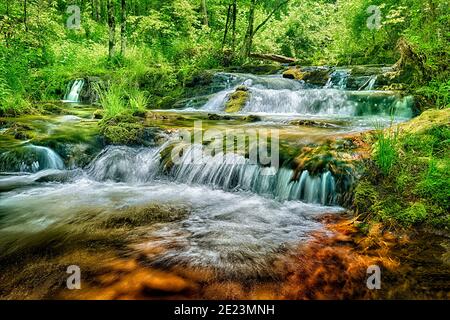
[[293, 73]]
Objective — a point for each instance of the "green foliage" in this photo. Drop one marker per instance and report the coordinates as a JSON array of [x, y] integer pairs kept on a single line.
[[415, 188], [437, 91], [415, 213], [112, 100]]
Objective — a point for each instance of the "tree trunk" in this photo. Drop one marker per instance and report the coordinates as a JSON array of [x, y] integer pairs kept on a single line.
[[112, 28], [251, 31], [205, 13], [248, 39], [226, 27], [97, 10], [233, 40], [94, 9], [123, 28]]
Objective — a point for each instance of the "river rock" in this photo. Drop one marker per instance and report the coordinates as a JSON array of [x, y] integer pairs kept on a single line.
[[238, 99], [313, 75], [293, 73], [313, 123]]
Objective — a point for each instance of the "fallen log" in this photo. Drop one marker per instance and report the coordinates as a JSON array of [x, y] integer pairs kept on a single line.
[[273, 57]]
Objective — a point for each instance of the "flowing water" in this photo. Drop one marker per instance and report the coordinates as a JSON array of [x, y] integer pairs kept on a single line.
[[275, 95], [73, 91], [238, 216]]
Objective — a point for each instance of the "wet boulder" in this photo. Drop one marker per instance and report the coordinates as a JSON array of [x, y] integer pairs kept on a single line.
[[313, 75], [313, 123], [293, 73], [238, 99]]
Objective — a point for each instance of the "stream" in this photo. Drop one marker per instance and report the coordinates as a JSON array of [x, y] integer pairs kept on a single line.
[[142, 228]]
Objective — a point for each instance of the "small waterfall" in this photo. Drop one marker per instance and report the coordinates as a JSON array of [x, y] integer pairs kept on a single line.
[[338, 80], [125, 164], [277, 95], [305, 101], [30, 158], [369, 84], [73, 91], [233, 172], [226, 171]]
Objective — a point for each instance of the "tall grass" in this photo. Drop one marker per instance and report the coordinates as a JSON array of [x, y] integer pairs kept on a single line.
[[138, 100], [118, 98], [386, 147], [112, 100]]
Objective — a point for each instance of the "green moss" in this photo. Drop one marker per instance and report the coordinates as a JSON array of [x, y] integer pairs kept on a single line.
[[293, 73], [237, 100], [365, 197], [122, 129], [414, 214]]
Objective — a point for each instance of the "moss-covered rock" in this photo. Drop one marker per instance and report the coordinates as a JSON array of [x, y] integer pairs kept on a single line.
[[427, 120], [319, 76], [293, 73], [237, 99], [312, 75], [122, 129], [200, 78], [52, 108], [20, 131], [98, 114]]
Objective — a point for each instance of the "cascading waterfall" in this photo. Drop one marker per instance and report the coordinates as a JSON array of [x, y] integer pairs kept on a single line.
[[125, 164], [307, 101], [30, 158], [73, 91], [236, 216], [274, 94], [234, 172], [226, 171]]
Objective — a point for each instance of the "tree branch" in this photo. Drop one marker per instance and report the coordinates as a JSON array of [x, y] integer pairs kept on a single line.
[[270, 15]]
